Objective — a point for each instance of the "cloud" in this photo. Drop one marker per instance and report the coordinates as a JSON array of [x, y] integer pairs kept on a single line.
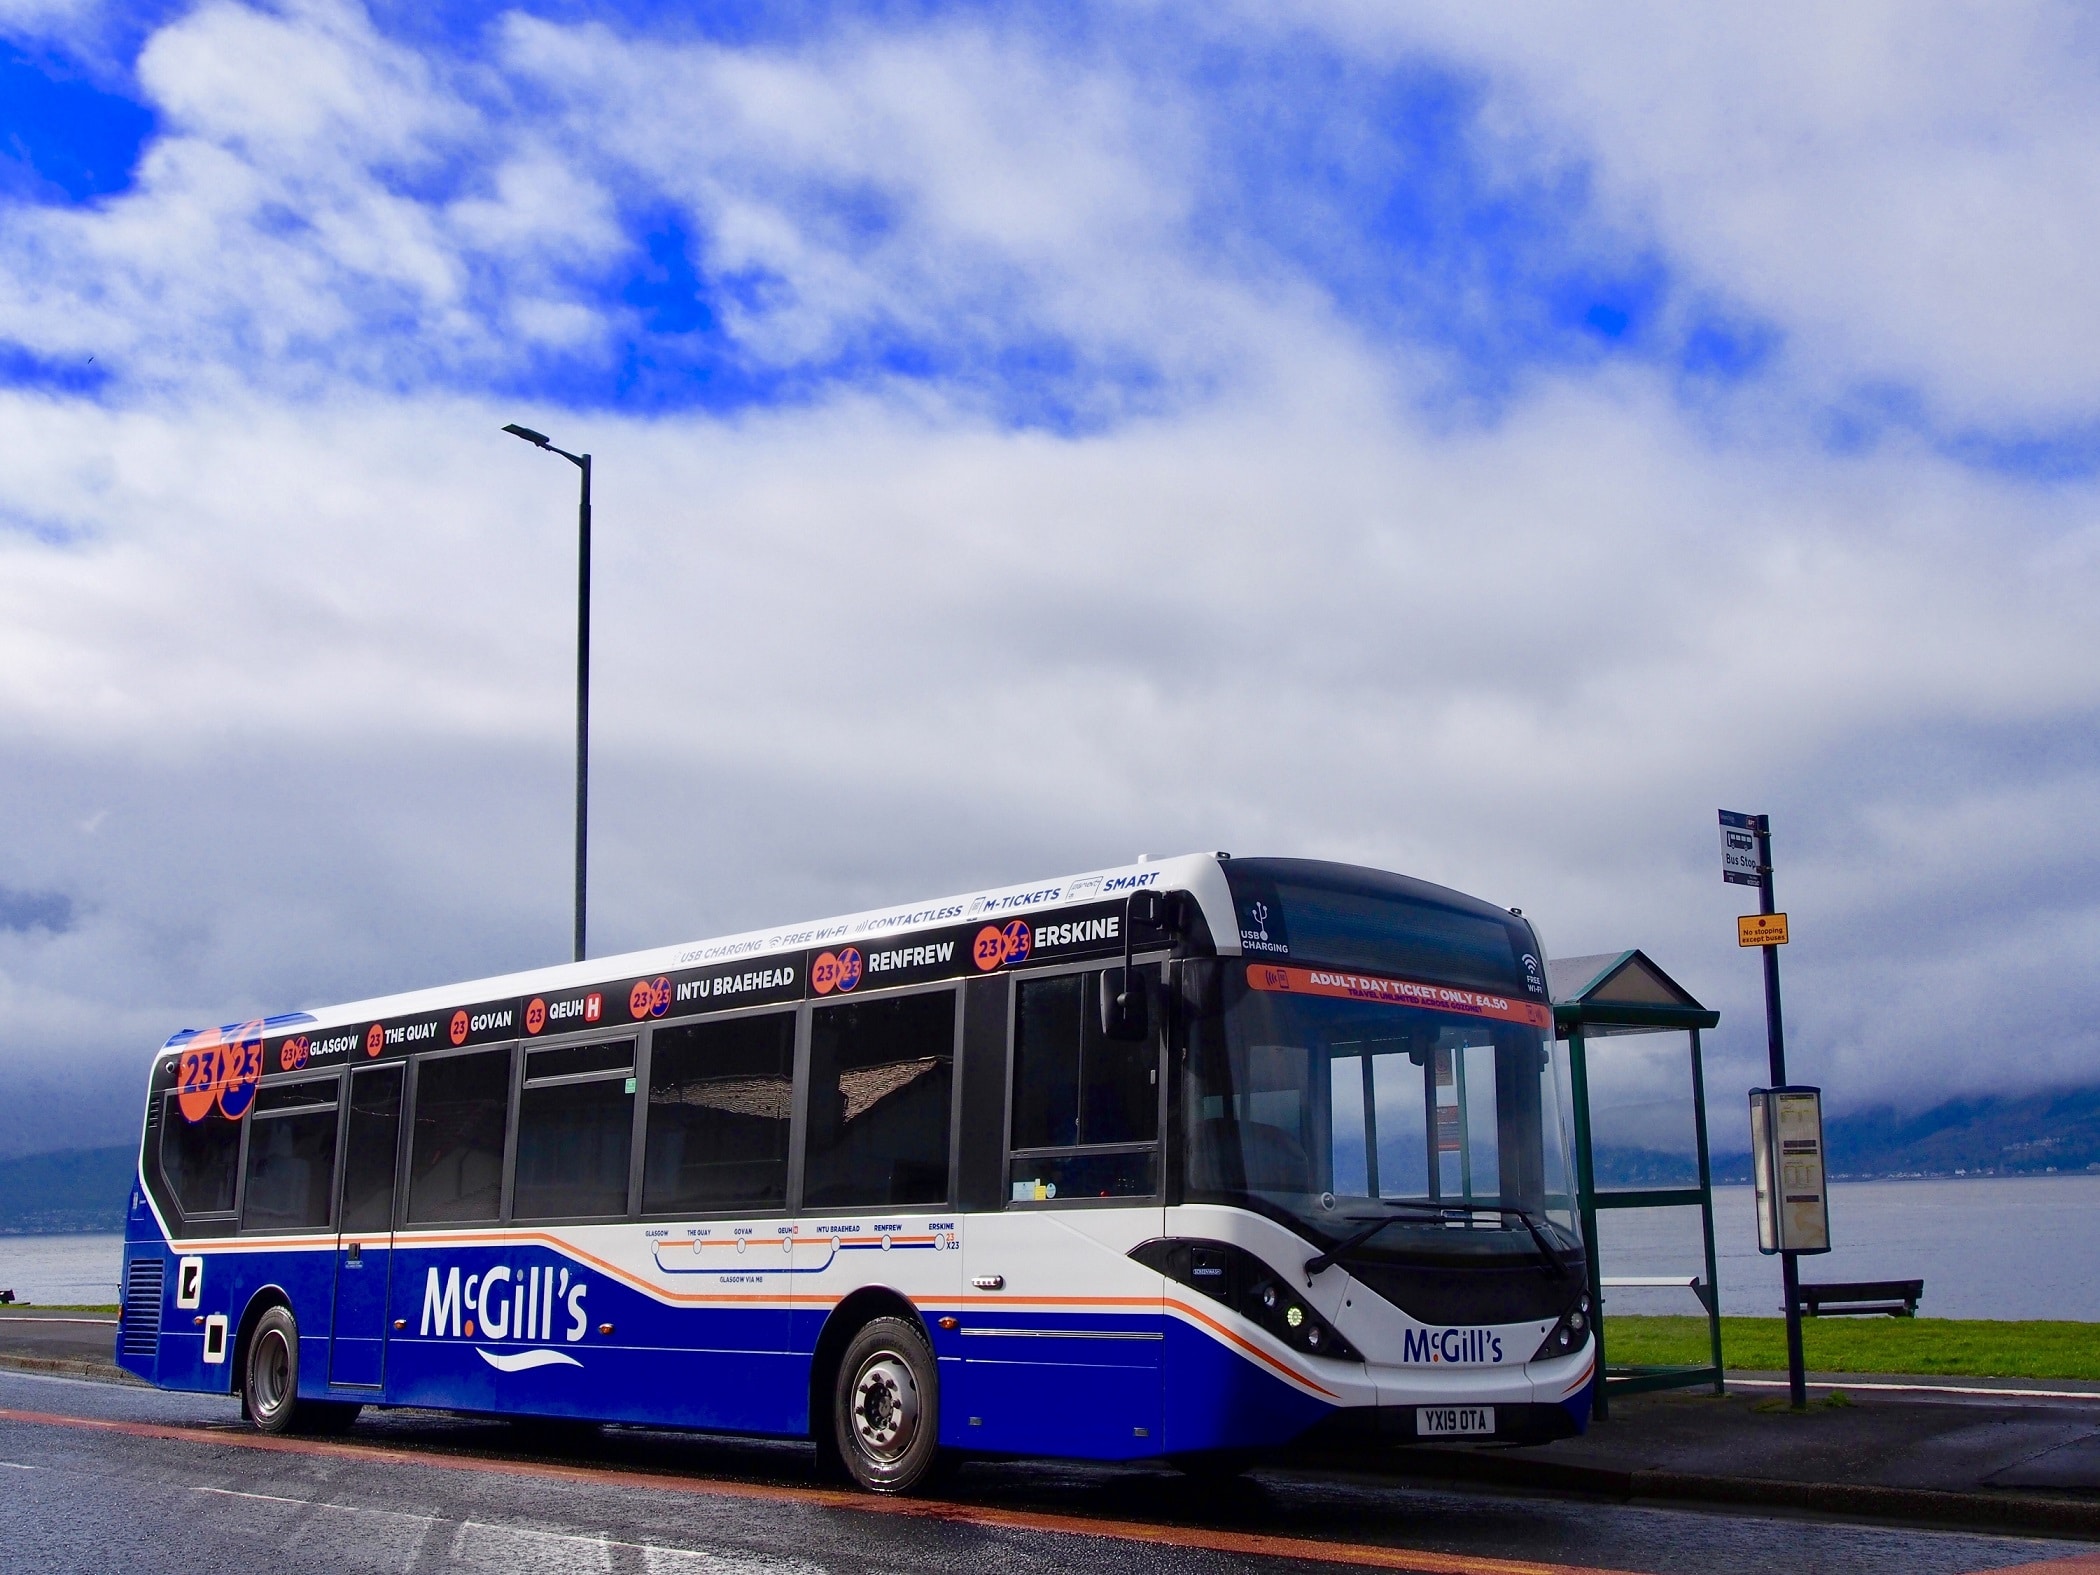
[[1016, 449], [1903, 188], [23, 911]]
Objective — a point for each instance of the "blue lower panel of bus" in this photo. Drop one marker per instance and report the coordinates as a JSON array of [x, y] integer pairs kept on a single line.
[[727, 1391], [1057, 1386], [1217, 1398], [1114, 1390], [1104, 1388], [555, 1339]]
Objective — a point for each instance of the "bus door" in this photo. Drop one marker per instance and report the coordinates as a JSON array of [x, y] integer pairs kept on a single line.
[[365, 1229], [1063, 1333]]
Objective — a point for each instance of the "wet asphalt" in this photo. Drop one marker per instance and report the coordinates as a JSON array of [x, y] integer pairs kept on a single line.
[[178, 1486]]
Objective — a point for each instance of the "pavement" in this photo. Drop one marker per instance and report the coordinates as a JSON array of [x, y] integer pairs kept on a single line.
[[2018, 1454], [2006, 1454], [74, 1344]]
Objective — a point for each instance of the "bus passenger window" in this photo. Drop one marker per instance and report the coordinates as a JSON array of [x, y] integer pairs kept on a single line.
[[1085, 1108], [291, 1156], [199, 1159], [455, 1169], [575, 1130], [720, 1095], [880, 1076]]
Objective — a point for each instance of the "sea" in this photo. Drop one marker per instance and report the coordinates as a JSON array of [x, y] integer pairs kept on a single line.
[[1986, 1247]]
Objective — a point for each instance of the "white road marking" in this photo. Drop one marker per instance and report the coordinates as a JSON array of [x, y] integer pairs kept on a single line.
[[693, 1561], [315, 1503], [522, 1550], [16, 1465]]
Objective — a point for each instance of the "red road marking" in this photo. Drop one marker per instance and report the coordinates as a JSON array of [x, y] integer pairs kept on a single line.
[[2084, 1564], [1362, 1555]]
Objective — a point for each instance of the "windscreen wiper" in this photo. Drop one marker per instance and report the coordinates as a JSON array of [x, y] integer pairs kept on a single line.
[[1322, 1262], [1545, 1246]]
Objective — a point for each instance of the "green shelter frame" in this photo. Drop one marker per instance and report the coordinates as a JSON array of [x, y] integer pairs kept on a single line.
[[1603, 997]]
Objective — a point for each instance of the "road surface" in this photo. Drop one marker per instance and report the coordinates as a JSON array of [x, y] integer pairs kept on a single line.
[[112, 1478]]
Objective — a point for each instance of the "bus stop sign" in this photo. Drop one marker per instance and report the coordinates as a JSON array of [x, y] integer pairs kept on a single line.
[[1738, 848]]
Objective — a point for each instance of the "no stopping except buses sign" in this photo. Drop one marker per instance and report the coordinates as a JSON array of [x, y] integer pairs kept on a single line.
[[1761, 929]]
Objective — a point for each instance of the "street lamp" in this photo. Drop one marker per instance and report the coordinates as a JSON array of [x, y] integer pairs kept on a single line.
[[583, 655]]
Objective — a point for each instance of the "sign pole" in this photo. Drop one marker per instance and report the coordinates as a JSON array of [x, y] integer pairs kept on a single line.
[[1775, 1045], [1746, 860]]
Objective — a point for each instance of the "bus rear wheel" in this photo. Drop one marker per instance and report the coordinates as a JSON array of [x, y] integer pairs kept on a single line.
[[886, 1408], [270, 1383]]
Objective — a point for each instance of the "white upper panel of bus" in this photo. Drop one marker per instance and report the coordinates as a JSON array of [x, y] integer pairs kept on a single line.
[[1198, 874]]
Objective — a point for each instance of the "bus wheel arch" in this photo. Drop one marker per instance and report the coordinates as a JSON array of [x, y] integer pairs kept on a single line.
[[846, 1320], [285, 1411], [886, 1408], [258, 1304]]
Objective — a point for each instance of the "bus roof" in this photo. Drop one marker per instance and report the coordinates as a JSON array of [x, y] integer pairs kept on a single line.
[[1198, 874]]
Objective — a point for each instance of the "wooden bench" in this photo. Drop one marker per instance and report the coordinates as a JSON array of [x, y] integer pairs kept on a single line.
[[1863, 1298]]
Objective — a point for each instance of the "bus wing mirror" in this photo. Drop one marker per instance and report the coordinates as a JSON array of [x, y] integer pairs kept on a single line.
[[1123, 1008], [1123, 1013]]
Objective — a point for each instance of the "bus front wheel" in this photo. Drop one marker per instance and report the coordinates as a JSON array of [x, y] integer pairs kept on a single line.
[[887, 1407]]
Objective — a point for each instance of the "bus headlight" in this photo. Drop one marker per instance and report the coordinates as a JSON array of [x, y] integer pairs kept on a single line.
[[1567, 1335], [1251, 1288]]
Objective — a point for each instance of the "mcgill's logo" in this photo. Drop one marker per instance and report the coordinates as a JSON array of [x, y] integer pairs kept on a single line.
[[505, 1304], [1469, 1347]]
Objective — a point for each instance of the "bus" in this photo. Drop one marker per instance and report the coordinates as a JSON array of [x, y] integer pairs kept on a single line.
[[1192, 1159]]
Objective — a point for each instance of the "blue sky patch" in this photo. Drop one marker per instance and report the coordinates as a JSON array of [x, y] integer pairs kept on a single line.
[[61, 138]]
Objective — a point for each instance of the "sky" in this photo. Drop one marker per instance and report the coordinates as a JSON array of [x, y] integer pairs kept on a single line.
[[1476, 442]]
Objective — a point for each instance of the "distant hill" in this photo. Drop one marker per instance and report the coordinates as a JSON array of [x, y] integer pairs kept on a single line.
[[87, 1188], [72, 1189], [2026, 1135]]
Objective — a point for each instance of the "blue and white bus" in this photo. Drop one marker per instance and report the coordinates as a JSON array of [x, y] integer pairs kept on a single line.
[[1189, 1159]]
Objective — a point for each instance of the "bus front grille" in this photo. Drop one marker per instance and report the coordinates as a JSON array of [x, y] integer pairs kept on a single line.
[[143, 1285]]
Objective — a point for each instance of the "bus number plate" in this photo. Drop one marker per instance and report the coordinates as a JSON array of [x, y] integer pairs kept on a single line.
[[1444, 1421]]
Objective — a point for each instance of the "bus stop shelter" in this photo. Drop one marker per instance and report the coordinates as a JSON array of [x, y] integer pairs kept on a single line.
[[1597, 999]]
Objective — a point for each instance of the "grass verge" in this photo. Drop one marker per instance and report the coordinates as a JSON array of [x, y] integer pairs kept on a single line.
[[1952, 1347]]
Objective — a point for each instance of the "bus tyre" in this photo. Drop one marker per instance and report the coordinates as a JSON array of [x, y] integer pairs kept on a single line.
[[887, 1407], [270, 1386]]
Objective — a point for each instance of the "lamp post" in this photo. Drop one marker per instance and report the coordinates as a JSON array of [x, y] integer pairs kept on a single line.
[[583, 656]]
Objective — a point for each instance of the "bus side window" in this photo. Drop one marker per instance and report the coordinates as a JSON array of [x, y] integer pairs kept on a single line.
[[455, 1169], [1085, 1108], [199, 1159], [575, 1127], [291, 1156], [881, 1072], [720, 1096]]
